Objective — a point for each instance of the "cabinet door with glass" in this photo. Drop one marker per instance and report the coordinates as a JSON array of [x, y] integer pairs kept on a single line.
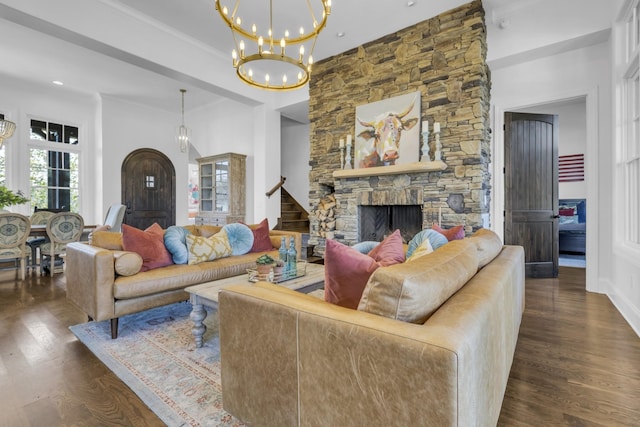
[[222, 189]]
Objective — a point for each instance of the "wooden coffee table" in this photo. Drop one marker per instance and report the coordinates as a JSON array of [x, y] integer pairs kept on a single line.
[[206, 294]]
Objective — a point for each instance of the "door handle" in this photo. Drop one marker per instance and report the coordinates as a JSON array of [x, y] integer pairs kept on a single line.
[[555, 216]]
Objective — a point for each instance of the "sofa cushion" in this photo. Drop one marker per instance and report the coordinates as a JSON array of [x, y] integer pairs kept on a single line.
[[261, 240], [347, 270], [106, 240], [488, 245], [436, 239], [175, 240], [127, 263], [203, 249], [453, 233], [240, 238], [149, 244], [413, 291]]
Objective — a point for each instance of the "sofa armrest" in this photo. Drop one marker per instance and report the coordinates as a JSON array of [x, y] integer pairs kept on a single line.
[[90, 275], [298, 357]]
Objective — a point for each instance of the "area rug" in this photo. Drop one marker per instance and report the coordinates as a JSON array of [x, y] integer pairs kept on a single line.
[[156, 356]]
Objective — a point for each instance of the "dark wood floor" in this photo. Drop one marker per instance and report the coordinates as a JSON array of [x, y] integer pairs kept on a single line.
[[577, 362]]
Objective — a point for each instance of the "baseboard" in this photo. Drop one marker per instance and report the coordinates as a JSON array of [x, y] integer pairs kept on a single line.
[[630, 313]]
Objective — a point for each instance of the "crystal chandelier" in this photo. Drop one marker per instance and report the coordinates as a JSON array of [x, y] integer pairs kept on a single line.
[[6, 130], [267, 49], [183, 132]]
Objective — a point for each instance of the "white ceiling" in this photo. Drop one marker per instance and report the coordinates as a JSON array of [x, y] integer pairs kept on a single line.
[[38, 49]]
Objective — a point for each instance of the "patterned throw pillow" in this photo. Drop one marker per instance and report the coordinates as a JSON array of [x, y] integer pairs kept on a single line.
[[203, 249]]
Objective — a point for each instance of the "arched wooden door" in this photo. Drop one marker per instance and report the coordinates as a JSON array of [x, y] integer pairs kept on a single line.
[[148, 189]]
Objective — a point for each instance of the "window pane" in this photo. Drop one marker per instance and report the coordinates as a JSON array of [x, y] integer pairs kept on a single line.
[[70, 135], [55, 132], [38, 130], [52, 185]]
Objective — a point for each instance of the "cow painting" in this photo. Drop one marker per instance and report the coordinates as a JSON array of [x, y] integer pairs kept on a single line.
[[380, 140]]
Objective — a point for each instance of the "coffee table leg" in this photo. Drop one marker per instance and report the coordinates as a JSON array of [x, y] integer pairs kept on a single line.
[[198, 314]]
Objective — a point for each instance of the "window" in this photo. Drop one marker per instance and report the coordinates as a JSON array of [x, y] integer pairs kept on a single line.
[[54, 172], [628, 161]]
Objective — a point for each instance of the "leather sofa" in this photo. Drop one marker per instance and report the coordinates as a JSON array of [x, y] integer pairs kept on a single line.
[[298, 360], [94, 286]]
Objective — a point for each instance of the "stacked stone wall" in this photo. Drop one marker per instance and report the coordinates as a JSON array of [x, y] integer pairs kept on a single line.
[[445, 59]]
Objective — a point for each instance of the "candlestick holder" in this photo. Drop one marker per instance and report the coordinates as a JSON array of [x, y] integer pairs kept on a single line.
[[425, 147], [437, 156], [342, 157], [347, 164]]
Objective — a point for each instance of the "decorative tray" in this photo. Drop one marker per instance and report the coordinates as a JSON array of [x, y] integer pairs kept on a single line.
[[254, 276]]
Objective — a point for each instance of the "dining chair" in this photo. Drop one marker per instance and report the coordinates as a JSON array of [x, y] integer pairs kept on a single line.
[[39, 217], [62, 228], [14, 230], [114, 216]]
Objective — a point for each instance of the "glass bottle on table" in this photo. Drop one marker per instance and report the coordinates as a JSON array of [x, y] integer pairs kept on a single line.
[[283, 253], [292, 259]]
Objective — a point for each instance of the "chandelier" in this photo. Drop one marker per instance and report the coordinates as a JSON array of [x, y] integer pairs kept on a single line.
[[267, 49], [183, 132], [6, 130]]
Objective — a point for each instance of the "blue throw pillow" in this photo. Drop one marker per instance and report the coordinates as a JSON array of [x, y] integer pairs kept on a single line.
[[240, 238], [436, 239], [175, 242], [366, 246]]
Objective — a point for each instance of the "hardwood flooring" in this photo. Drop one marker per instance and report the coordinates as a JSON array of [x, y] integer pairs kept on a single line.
[[577, 362]]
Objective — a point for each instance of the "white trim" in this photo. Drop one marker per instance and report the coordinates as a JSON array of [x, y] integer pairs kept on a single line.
[[624, 306], [591, 172]]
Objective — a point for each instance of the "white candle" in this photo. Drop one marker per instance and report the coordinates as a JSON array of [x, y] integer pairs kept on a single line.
[[425, 126], [436, 127], [342, 143], [348, 139]]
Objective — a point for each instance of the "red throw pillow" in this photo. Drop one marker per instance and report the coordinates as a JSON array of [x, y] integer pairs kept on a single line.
[[261, 240], [390, 251], [346, 272], [566, 212], [454, 233], [149, 244]]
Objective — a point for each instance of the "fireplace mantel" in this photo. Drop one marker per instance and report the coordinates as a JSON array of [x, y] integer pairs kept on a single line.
[[434, 166]]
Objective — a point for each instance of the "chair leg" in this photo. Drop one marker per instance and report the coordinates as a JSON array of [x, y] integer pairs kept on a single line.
[[114, 328], [23, 268]]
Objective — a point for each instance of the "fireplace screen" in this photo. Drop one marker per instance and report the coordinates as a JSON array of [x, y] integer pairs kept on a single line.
[[377, 222]]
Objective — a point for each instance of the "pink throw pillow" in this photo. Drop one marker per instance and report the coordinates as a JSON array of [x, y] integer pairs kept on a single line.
[[347, 271], [149, 244], [261, 240], [454, 233], [390, 251]]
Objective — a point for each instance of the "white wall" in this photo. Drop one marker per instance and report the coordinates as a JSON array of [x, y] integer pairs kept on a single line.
[[572, 124], [578, 73], [295, 160], [21, 101]]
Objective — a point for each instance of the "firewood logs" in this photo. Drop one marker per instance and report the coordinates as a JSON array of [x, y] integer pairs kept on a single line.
[[326, 214]]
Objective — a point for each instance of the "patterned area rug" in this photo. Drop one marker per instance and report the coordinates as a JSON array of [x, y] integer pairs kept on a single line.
[[155, 355]]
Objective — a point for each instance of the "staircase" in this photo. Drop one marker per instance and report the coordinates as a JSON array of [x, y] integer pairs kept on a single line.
[[293, 216]]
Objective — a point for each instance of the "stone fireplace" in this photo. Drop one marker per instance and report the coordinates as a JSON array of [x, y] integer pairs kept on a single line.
[[444, 59]]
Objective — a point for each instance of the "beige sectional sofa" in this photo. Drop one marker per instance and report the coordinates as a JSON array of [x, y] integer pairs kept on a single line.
[[94, 286], [298, 360]]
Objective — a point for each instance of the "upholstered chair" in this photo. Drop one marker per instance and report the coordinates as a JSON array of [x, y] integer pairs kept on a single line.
[[14, 231], [62, 228], [39, 217]]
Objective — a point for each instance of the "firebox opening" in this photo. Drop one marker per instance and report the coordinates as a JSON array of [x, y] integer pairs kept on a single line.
[[377, 222]]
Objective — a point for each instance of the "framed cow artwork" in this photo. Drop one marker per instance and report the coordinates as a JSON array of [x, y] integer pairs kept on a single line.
[[387, 132]]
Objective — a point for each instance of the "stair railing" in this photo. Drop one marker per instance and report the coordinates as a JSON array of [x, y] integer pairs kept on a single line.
[[277, 186]]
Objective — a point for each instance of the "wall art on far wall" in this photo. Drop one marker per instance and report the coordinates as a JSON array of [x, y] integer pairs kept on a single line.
[[571, 168], [387, 132]]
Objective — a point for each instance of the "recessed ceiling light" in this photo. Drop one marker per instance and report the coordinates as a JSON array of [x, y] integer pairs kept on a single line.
[[411, 3], [340, 34], [57, 82]]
